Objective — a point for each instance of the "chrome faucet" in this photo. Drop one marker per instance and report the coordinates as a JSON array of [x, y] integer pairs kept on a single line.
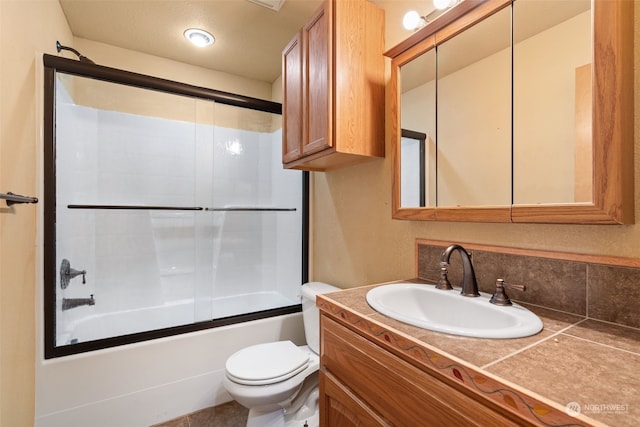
[[469, 283], [69, 303], [67, 273]]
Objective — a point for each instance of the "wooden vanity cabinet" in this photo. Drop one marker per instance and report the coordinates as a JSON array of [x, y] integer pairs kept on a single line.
[[364, 384], [333, 88]]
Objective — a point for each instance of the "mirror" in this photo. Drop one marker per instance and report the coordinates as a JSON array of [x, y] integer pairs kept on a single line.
[[474, 115], [552, 102], [546, 152], [418, 153], [414, 168]]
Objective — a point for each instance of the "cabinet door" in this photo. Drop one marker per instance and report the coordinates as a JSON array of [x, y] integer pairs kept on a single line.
[[340, 407], [317, 96], [292, 93]]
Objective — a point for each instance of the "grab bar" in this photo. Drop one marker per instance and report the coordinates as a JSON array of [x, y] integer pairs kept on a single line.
[[184, 208], [13, 199]]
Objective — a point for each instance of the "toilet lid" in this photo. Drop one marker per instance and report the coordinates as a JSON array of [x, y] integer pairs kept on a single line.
[[266, 363]]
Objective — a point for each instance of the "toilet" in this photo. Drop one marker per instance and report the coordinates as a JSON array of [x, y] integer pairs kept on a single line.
[[278, 381]]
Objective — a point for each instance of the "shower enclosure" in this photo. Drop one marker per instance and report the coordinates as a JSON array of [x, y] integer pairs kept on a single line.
[[167, 209]]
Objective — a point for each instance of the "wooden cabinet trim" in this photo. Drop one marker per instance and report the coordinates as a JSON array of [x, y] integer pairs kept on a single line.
[[292, 130], [317, 98], [565, 256]]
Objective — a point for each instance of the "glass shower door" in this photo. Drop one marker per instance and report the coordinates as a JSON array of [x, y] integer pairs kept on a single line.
[[258, 204], [126, 173], [167, 210]]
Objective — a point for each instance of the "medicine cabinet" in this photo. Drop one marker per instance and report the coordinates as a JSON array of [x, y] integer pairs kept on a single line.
[[527, 109]]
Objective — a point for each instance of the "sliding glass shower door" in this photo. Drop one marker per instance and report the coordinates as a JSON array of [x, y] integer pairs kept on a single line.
[[171, 211]]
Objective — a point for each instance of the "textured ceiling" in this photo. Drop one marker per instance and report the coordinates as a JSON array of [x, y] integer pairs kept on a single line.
[[249, 37]]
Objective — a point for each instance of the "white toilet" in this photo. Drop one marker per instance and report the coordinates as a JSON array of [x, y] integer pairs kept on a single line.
[[278, 381]]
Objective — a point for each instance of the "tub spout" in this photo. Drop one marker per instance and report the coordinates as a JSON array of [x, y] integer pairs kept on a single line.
[[69, 303]]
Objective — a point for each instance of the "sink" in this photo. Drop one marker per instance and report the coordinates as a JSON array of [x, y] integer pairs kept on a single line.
[[449, 312]]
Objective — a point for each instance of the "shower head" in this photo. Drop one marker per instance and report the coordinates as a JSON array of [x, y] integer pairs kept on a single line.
[[81, 57]]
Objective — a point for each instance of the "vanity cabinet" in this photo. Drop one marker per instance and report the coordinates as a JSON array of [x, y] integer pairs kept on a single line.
[[362, 383], [333, 88]]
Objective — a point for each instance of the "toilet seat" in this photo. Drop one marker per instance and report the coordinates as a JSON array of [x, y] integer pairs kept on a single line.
[[267, 363]]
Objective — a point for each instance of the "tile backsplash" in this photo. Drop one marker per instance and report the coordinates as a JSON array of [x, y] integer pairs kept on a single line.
[[602, 288]]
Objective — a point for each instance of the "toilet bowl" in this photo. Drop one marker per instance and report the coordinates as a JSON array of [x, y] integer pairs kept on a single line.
[[278, 381]]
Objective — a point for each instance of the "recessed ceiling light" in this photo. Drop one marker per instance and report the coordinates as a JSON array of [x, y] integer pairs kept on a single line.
[[199, 37]]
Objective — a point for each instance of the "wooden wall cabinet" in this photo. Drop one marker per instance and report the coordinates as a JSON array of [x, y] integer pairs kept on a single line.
[[333, 88], [363, 384]]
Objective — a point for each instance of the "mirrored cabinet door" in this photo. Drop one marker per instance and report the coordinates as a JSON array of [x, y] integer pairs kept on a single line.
[[474, 115], [418, 142], [552, 146]]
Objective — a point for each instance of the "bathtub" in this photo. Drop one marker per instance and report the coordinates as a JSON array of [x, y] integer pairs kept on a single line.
[[148, 382], [94, 326]]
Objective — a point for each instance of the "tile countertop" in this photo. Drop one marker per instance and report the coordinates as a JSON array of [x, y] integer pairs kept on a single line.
[[572, 360]]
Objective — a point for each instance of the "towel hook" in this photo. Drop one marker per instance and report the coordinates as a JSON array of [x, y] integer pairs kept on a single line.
[[13, 199]]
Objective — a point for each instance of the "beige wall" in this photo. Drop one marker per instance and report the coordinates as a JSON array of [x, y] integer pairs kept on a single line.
[[26, 28], [356, 242], [29, 28], [156, 66]]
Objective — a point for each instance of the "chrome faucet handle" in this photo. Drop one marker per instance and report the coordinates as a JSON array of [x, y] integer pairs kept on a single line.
[[67, 273], [443, 281], [500, 296], [74, 273]]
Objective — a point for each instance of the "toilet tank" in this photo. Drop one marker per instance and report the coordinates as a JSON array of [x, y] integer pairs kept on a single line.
[[310, 312]]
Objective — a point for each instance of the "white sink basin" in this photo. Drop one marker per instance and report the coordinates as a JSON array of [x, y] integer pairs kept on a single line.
[[449, 312]]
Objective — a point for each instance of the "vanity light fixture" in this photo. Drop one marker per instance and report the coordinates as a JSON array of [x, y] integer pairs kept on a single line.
[[444, 4], [413, 21], [199, 37]]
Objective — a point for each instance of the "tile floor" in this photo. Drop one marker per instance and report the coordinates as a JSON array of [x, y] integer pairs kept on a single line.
[[226, 415]]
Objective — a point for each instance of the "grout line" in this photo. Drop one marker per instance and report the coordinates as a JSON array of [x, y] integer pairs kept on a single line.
[[525, 303], [582, 316], [527, 347], [602, 344], [618, 325], [563, 332], [586, 289], [566, 328]]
